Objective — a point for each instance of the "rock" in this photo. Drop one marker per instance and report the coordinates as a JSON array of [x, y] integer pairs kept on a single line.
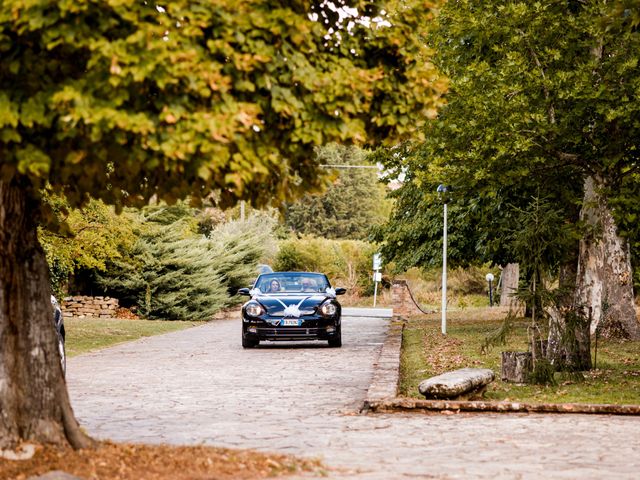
[[461, 384]]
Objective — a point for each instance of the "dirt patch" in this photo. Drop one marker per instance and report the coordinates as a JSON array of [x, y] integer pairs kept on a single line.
[[121, 461]]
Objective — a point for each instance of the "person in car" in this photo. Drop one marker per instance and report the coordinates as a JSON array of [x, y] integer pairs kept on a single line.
[[274, 286], [309, 285]]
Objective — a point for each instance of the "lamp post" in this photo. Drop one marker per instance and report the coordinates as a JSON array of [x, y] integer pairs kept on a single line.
[[490, 277], [442, 189]]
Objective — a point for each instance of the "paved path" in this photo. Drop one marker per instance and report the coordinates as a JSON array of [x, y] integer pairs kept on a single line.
[[199, 386]]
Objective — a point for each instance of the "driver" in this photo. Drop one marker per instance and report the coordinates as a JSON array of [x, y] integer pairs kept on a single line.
[[309, 285]]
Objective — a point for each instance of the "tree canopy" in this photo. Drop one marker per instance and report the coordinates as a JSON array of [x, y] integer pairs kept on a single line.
[[542, 94], [125, 100], [352, 204]]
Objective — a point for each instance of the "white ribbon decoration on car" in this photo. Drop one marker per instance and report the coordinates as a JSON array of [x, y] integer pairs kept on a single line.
[[292, 310]]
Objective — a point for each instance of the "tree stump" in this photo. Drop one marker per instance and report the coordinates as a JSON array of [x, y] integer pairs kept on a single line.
[[516, 366], [509, 279]]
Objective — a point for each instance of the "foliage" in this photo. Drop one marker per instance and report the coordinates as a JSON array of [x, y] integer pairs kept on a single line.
[[176, 273], [542, 94], [500, 335], [345, 262], [350, 206], [128, 100], [460, 281], [94, 236]]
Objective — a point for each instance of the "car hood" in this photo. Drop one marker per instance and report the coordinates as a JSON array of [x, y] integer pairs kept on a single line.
[[291, 304]]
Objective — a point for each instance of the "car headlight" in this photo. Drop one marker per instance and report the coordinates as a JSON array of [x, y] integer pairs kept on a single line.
[[328, 309], [254, 309]]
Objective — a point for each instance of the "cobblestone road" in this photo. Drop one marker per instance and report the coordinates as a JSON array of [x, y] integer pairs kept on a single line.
[[198, 386]]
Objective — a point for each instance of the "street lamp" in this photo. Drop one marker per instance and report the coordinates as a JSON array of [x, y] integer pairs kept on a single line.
[[490, 277], [442, 189]]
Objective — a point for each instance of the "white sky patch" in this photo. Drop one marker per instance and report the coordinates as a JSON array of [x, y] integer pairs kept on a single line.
[[160, 9], [348, 18]]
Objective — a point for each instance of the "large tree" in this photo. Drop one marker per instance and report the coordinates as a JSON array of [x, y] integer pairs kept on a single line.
[[543, 103], [125, 100]]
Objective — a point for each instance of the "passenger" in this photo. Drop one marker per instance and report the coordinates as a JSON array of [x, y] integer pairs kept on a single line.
[[274, 286]]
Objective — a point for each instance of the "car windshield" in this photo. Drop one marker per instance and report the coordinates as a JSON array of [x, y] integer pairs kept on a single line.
[[292, 282]]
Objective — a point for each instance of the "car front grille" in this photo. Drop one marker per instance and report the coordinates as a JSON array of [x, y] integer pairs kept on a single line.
[[288, 332]]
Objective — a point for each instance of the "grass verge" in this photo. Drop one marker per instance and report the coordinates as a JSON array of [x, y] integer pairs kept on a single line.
[[426, 352], [87, 334]]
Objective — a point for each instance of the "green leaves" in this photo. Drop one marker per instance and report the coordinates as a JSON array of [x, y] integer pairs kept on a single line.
[[196, 96], [541, 95], [352, 203], [175, 273]]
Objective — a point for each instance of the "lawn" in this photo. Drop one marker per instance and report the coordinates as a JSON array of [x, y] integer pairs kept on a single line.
[[87, 334], [426, 352]]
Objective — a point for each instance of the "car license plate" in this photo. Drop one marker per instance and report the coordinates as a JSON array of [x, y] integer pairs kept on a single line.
[[290, 322]]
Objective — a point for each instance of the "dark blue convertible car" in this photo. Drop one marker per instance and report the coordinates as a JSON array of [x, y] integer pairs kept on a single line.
[[291, 306]]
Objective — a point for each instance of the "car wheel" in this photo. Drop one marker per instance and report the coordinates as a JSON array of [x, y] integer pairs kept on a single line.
[[249, 342], [63, 354], [336, 342]]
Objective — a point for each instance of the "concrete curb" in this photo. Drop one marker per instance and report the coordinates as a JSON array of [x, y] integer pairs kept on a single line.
[[400, 404], [386, 371], [381, 395]]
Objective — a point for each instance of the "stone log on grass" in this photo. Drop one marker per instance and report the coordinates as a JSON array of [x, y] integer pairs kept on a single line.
[[462, 384]]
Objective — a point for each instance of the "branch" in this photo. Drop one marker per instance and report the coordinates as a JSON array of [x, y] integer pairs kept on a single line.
[[547, 96]]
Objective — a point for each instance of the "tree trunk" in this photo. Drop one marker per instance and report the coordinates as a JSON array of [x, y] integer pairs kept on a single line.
[[569, 342], [509, 279], [34, 403], [604, 279]]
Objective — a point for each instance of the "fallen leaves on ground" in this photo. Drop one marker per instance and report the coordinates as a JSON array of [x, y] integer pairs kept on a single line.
[[121, 461], [442, 353]]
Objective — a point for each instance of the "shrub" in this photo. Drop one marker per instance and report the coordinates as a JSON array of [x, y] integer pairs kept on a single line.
[[346, 262], [176, 273]]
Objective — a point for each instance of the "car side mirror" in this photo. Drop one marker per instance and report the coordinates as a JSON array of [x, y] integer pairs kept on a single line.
[[244, 291], [341, 291]]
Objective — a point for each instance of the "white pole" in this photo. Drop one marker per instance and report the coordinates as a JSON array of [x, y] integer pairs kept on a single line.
[[444, 273], [375, 289]]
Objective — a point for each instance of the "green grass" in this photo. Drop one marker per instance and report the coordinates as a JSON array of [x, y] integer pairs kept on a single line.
[[87, 334], [426, 353]]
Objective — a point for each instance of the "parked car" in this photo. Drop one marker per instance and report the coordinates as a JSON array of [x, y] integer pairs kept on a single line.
[[291, 306], [58, 321]]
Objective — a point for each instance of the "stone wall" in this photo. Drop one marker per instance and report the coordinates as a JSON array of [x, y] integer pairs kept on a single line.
[[96, 307], [401, 301]]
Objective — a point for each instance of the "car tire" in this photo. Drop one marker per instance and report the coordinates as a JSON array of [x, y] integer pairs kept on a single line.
[[336, 342], [249, 342], [63, 354]]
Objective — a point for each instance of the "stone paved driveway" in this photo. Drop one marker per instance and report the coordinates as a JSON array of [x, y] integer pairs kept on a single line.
[[199, 386]]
